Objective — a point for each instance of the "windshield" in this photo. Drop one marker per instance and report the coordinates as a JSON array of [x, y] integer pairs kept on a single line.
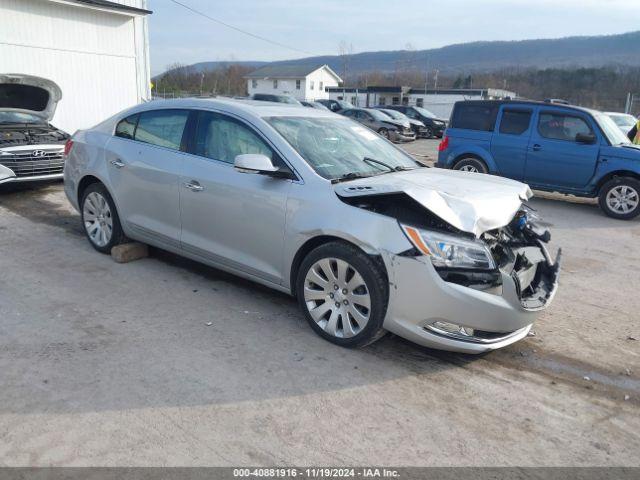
[[611, 130], [19, 117], [425, 112], [394, 114], [335, 147], [624, 121], [378, 115]]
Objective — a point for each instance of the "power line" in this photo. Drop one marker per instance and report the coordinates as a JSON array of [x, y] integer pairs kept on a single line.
[[264, 39]]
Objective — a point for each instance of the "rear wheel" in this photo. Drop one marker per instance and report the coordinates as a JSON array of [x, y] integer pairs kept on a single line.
[[471, 164], [343, 294], [620, 198], [100, 218], [428, 132]]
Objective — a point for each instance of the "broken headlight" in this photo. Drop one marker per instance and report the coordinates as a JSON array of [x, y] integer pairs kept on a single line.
[[448, 251]]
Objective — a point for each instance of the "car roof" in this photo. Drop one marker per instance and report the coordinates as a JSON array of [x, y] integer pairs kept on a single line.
[[528, 102], [248, 108]]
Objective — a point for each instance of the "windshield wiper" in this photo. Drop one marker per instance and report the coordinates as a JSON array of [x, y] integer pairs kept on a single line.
[[350, 176], [379, 162]]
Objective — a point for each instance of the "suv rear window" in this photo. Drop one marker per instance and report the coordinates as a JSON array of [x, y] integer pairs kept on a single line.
[[474, 117]]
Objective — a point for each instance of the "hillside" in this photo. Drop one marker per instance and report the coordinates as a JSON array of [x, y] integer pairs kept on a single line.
[[569, 52]]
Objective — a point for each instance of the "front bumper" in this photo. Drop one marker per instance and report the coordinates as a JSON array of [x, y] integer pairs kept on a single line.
[[402, 136], [419, 297]]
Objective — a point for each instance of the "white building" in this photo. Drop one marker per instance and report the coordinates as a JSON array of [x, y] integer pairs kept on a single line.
[[97, 51], [440, 102], [302, 82]]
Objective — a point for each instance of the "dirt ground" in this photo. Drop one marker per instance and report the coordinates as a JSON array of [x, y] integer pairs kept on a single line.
[[114, 364]]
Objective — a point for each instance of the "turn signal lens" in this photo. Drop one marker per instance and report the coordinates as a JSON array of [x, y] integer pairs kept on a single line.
[[416, 239]]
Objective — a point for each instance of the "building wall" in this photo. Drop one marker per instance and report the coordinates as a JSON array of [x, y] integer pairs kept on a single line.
[[287, 86], [98, 58]]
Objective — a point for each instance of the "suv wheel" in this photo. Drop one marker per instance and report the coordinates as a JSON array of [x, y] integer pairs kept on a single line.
[[471, 164], [620, 198], [428, 132], [100, 218], [343, 294]]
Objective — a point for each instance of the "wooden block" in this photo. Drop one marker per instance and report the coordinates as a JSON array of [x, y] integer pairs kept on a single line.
[[129, 252]]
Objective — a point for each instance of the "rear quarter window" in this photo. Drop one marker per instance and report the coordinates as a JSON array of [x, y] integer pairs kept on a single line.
[[126, 128], [474, 117]]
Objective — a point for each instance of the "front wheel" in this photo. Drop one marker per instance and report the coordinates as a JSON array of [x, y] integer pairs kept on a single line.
[[384, 132], [620, 198], [100, 218], [343, 294], [428, 132]]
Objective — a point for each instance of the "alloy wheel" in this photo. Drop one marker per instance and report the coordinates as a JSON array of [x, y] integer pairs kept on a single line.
[[469, 168], [623, 199], [98, 220], [337, 297]]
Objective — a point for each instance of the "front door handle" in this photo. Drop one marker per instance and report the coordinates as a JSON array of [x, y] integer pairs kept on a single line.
[[117, 163], [193, 186], [536, 147]]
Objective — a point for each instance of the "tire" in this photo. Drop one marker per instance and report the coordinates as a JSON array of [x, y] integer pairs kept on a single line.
[[428, 132], [384, 132], [352, 280], [620, 198], [100, 218], [471, 164]]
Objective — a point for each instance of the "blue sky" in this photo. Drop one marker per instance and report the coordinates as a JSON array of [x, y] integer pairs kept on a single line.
[[318, 26]]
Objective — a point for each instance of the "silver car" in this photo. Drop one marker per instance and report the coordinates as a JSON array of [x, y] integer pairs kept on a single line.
[[316, 205]]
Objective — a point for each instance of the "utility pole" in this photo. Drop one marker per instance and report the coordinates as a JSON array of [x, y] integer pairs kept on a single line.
[[435, 80], [426, 76], [201, 82]]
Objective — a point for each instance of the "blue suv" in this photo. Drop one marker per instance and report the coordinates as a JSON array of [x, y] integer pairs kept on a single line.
[[552, 147]]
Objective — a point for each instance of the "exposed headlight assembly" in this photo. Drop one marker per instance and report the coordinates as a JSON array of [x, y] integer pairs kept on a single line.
[[449, 251]]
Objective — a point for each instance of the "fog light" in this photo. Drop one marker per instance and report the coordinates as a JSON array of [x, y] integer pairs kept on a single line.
[[451, 329]]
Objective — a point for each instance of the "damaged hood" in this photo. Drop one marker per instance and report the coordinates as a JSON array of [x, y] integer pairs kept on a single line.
[[29, 94], [471, 202]]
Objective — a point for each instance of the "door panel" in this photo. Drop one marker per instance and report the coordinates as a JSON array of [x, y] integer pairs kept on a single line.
[[554, 158], [144, 177], [510, 141], [235, 219]]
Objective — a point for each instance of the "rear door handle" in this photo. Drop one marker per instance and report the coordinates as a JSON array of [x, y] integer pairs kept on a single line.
[[536, 148], [193, 186], [117, 163]]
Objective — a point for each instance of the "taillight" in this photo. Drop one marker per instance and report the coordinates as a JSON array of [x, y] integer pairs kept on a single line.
[[444, 144], [67, 147]]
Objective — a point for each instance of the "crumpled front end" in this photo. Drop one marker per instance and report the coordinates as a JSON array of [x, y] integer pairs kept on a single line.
[[474, 310]]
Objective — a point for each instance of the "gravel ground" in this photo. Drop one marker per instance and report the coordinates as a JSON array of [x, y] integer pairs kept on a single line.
[[110, 364]]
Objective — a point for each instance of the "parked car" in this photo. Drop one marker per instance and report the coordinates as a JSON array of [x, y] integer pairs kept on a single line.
[[31, 149], [394, 130], [551, 147], [416, 125], [315, 205], [316, 105], [624, 121], [435, 126], [336, 105], [267, 97]]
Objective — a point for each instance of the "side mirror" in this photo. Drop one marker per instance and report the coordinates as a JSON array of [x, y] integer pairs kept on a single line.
[[588, 138], [254, 163]]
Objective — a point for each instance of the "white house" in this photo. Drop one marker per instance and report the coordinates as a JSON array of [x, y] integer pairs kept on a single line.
[[440, 102], [97, 51], [303, 82]]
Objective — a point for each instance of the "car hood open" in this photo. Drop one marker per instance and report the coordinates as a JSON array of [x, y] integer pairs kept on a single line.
[[29, 94], [471, 202]]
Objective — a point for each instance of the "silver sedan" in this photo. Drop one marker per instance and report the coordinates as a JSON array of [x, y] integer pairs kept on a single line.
[[316, 205]]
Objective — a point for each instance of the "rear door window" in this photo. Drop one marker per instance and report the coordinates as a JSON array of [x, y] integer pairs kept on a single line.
[[515, 122], [126, 128], [562, 126], [163, 128], [474, 117]]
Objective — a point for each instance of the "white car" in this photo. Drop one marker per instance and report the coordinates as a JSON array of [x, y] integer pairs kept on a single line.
[[624, 121]]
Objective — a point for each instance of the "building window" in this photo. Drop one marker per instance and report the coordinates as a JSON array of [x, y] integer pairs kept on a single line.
[[297, 84], [311, 85], [395, 101], [405, 100], [383, 101], [321, 87], [254, 84], [419, 102], [275, 84], [354, 100], [340, 97]]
